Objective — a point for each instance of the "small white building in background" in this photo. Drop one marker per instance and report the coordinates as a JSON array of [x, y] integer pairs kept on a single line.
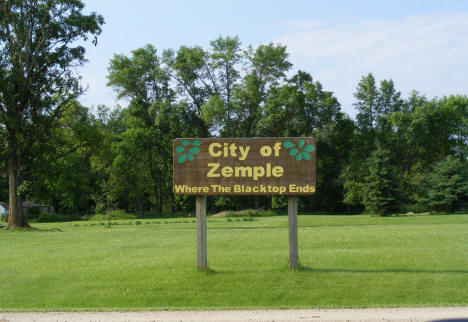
[[3, 208], [3, 212]]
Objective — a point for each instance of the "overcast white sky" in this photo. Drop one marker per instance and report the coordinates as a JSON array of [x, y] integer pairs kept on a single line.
[[421, 44]]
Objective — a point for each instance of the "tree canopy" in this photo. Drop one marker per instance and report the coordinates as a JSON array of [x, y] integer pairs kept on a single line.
[[398, 154]]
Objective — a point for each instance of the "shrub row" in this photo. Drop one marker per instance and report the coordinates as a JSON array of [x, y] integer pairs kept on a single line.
[[251, 213], [54, 217]]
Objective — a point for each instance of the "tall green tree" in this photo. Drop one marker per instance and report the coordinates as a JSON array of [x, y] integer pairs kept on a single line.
[[152, 120], [298, 107], [37, 78], [446, 186], [425, 132], [381, 191], [374, 105], [206, 80], [63, 176], [301, 107], [266, 70], [111, 125], [225, 58], [335, 144]]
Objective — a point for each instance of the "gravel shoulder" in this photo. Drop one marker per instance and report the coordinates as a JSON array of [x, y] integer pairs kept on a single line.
[[377, 314]]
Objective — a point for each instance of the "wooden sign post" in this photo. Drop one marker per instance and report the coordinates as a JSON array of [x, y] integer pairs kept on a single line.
[[292, 223], [201, 233], [244, 166]]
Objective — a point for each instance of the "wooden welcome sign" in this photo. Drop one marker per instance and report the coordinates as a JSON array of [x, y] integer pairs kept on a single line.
[[247, 166], [252, 166]]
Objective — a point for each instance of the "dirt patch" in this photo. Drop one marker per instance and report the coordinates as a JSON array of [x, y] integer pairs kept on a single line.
[[237, 213], [220, 214]]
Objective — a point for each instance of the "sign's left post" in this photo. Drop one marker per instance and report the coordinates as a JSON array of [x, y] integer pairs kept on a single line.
[[201, 232]]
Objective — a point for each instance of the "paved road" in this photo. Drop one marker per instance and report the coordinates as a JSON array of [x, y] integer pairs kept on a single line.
[[395, 314]]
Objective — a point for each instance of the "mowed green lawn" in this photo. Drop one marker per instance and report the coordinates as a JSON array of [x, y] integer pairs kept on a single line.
[[347, 261]]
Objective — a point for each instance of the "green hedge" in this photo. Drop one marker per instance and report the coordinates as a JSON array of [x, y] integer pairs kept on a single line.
[[250, 213], [114, 215], [53, 217]]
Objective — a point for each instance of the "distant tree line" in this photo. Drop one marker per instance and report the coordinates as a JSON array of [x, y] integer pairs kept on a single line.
[[398, 155]]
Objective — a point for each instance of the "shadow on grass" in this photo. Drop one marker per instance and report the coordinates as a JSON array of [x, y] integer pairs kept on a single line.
[[256, 227], [49, 230], [33, 229], [388, 270], [209, 272], [300, 226], [311, 270]]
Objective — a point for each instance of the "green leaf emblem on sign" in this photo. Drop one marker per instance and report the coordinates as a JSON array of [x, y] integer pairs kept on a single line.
[[293, 152], [300, 152], [187, 150], [194, 150], [300, 143], [181, 158]]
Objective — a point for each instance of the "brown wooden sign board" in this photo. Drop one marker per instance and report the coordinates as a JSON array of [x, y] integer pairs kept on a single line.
[[244, 166]]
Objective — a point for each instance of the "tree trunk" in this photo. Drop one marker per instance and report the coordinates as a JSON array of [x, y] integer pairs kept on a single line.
[[160, 206], [157, 199], [171, 203], [256, 202], [140, 208], [16, 219]]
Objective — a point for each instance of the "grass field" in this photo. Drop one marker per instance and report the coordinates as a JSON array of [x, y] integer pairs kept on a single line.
[[347, 261]]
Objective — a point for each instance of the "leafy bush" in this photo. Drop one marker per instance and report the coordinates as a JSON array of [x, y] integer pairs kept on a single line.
[[86, 217], [114, 215], [250, 213], [54, 217], [164, 214], [279, 202], [121, 214]]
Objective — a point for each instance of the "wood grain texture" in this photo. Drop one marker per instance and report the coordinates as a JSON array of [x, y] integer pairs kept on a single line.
[[293, 242], [201, 233], [191, 169]]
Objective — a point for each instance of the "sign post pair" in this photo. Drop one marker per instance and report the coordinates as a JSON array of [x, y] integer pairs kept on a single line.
[[244, 166]]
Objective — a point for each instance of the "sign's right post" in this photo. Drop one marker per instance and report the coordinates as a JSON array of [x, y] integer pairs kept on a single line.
[[293, 244]]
